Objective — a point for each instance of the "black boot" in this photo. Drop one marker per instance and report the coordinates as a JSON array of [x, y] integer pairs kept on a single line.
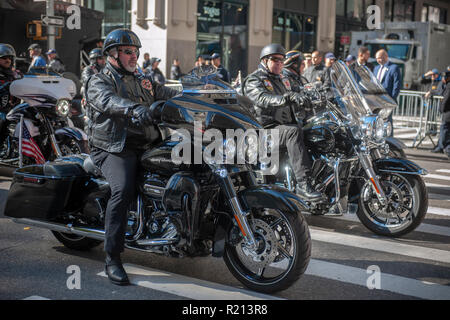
[[115, 271], [305, 191]]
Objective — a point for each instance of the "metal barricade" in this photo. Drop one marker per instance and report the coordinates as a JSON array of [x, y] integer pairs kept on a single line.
[[409, 114], [431, 120], [418, 114]]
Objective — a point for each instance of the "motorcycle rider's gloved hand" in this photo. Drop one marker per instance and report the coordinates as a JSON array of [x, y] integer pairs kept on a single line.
[[299, 100], [141, 115], [283, 115]]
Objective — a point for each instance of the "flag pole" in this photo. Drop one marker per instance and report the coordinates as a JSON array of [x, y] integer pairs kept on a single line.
[[20, 141]]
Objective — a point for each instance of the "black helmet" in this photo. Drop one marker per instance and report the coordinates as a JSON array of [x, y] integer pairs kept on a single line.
[[120, 37], [95, 53], [293, 57], [7, 50], [273, 48]]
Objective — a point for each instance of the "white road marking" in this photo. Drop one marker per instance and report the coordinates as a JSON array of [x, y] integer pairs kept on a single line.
[[186, 286], [393, 247], [443, 170], [36, 298], [439, 211], [436, 185], [423, 227], [437, 176], [388, 282]]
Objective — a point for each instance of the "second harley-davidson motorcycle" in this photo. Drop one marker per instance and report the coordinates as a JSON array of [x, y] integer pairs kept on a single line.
[[352, 163], [182, 208], [45, 114]]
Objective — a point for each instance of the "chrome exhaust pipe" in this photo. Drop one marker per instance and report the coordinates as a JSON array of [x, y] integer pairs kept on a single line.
[[68, 228], [156, 242]]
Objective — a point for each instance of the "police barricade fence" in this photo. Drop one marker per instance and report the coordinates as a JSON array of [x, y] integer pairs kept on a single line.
[[417, 115]]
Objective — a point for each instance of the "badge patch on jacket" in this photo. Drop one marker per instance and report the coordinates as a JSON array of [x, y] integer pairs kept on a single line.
[[287, 84], [147, 84], [268, 85]]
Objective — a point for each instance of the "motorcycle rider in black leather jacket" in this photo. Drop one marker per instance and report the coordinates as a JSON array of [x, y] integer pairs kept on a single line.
[[272, 96], [97, 60], [121, 124], [7, 75]]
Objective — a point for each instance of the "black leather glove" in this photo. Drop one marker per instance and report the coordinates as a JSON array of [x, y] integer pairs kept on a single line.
[[297, 98], [283, 115], [141, 115]]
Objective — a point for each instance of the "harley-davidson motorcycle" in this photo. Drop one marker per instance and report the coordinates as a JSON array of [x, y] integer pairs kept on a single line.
[[45, 113], [183, 209], [351, 162]]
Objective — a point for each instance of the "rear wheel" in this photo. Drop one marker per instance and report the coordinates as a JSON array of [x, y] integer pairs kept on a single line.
[[282, 252]]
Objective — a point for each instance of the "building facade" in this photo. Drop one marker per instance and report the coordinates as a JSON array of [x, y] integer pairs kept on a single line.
[[239, 29]]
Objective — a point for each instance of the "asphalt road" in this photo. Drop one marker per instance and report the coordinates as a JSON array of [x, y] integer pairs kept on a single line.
[[348, 261]]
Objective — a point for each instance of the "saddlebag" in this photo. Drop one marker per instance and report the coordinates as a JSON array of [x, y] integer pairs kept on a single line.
[[45, 191]]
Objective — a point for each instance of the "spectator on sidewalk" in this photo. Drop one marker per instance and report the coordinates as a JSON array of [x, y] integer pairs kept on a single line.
[[389, 76], [430, 81], [444, 108], [175, 70], [349, 60], [316, 71], [363, 58], [154, 71]]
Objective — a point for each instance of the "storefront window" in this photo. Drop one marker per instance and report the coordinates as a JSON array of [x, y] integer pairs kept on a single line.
[[294, 31], [222, 28], [117, 14]]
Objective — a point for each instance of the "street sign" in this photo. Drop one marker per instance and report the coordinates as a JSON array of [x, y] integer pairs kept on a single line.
[[52, 21]]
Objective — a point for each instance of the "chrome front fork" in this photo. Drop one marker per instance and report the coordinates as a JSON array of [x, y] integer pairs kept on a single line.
[[366, 163], [240, 215]]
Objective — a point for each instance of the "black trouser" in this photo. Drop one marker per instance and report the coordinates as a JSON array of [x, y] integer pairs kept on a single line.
[[120, 170], [291, 136]]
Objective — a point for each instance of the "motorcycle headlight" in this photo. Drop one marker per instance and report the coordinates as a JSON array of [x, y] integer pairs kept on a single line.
[[387, 128], [367, 126], [379, 131], [63, 107]]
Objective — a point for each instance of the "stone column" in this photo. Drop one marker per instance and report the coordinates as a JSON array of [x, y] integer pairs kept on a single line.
[[259, 30], [326, 25]]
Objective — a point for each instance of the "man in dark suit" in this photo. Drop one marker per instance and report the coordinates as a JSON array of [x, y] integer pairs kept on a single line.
[[389, 75], [444, 108]]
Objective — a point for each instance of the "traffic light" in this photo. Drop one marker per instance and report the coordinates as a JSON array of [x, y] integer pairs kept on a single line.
[[37, 31]]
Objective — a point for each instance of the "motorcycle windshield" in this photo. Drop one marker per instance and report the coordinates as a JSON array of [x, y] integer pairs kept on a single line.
[[205, 98], [205, 79], [359, 92]]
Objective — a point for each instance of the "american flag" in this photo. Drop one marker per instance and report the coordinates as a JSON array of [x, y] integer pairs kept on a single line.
[[29, 146]]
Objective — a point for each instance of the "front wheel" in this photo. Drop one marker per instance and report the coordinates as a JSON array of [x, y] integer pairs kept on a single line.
[[281, 256], [406, 207]]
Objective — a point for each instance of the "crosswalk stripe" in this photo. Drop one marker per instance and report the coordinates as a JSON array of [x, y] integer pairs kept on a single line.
[[35, 298], [443, 170], [423, 227], [393, 247], [187, 287], [436, 185], [388, 282], [437, 176], [439, 211]]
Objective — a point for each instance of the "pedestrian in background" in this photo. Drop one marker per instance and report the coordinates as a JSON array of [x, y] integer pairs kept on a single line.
[[389, 76], [350, 60], [363, 58], [175, 70], [154, 71], [315, 72], [444, 135], [223, 73], [146, 62], [330, 59], [55, 64], [38, 63], [430, 81], [308, 62]]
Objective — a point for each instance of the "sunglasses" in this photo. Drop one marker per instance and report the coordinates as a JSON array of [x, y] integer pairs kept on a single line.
[[274, 59], [7, 57], [130, 52]]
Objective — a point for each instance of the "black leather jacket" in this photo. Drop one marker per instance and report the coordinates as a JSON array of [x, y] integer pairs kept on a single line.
[[109, 102], [297, 80], [89, 71], [267, 91]]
